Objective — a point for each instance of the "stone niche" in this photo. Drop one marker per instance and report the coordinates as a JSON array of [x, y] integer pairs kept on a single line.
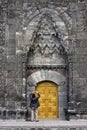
[[47, 61]]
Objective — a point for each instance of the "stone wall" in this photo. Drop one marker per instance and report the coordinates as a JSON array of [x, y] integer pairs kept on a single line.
[[79, 51], [18, 21]]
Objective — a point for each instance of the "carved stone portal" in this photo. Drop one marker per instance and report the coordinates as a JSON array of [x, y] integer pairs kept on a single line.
[[46, 61]]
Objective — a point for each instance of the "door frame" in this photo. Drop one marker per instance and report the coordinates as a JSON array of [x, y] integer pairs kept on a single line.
[[56, 77]]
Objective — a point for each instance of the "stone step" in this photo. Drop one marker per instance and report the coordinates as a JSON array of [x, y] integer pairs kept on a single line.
[[43, 128], [43, 125]]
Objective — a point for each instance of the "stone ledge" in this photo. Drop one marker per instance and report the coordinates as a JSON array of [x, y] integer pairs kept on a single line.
[[48, 123]]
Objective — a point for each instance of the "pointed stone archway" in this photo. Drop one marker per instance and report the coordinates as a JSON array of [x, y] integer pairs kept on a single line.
[[46, 61]]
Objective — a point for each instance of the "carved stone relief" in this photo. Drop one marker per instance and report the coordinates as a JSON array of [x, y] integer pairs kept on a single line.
[[46, 44]]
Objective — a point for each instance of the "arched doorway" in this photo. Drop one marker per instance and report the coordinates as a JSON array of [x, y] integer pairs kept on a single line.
[[48, 99], [56, 78]]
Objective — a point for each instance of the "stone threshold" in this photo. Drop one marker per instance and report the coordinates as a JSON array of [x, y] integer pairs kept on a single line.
[[43, 123]]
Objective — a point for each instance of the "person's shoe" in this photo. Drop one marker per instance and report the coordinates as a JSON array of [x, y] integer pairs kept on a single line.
[[32, 120], [37, 120], [27, 120]]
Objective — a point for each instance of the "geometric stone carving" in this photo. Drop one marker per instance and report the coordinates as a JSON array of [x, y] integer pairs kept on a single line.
[[47, 48]]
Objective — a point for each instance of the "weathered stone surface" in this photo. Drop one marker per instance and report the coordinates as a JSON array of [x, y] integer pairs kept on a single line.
[[19, 24]]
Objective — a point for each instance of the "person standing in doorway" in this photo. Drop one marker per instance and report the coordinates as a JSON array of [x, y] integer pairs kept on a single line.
[[34, 104]]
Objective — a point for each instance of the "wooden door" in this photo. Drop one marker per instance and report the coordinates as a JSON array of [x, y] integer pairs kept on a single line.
[[48, 100]]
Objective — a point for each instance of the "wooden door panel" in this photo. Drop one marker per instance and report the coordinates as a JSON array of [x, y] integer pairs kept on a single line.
[[48, 100]]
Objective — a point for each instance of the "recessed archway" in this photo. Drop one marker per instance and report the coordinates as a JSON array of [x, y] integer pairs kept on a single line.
[[52, 76]]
